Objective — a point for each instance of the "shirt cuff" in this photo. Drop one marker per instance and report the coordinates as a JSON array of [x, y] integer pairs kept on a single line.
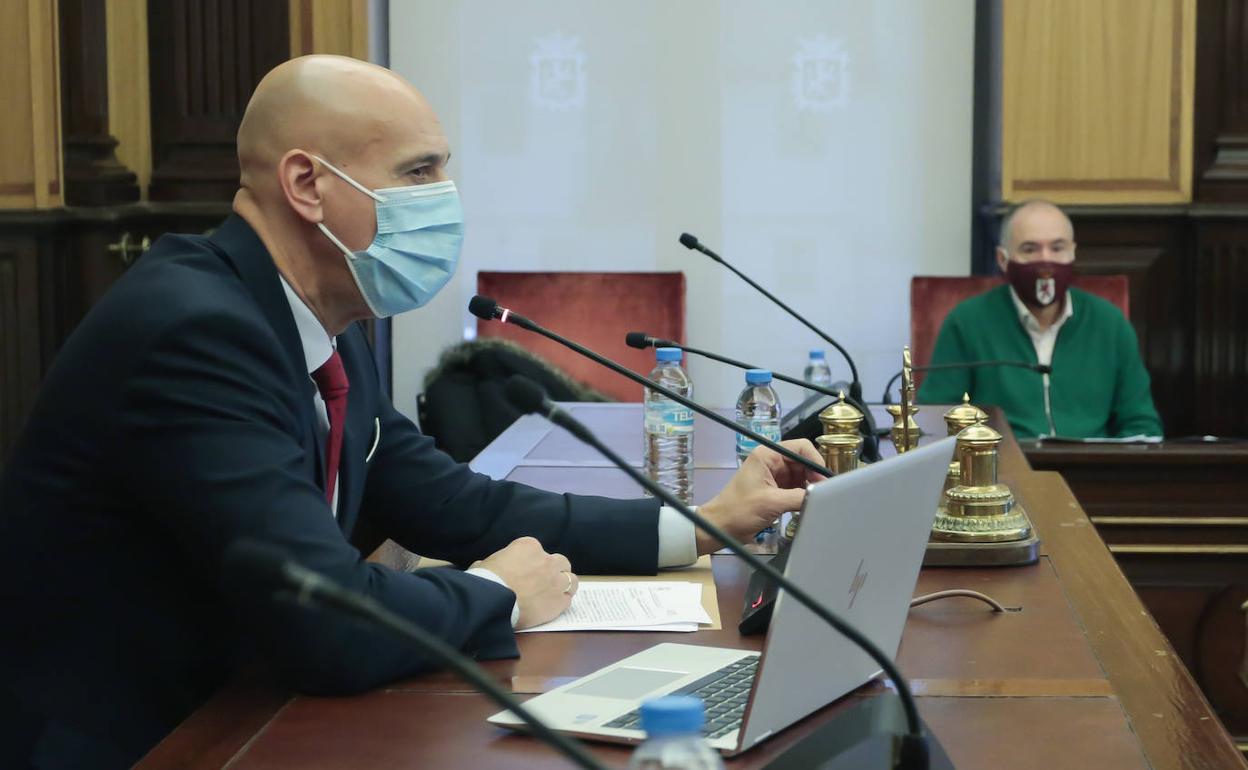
[[677, 545], [482, 572]]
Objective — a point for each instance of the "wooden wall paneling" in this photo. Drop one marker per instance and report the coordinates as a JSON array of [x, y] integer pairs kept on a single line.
[[205, 59], [1220, 152], [329, 26], [93, 174], [1150, 246], [1220, 365], [30, 145], [129, 103], [1097, 100]]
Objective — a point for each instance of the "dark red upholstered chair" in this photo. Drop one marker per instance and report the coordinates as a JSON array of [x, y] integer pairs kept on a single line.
[[932, 297], [594, 309]]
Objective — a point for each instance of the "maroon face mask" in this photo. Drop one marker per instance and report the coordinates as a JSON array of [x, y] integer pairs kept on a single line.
[[1040, 284]]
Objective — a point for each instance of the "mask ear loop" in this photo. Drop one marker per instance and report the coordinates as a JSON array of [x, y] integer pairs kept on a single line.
[[342, 175]]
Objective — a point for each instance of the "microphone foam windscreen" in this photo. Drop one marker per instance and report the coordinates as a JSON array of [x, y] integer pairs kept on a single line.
[[637, 340], [688, 241], [483, 307], [524, 394]]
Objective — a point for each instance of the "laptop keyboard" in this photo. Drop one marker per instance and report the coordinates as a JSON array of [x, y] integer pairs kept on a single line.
[[724, 692]]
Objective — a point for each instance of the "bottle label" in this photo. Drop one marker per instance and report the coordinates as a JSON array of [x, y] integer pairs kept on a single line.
[[766, 427], [668, 418]]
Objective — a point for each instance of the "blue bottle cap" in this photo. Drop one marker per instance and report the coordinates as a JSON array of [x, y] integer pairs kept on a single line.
[[816, 354], [672, 715], [667, 354], [757, 376]]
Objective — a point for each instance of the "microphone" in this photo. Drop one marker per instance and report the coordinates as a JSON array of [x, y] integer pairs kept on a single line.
[[691, 242], [809, 427], [487, 309], [1041, 368], [912, 749], [251, 562]]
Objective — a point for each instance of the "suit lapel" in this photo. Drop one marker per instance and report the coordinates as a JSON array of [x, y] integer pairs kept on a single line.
[[243, 249]]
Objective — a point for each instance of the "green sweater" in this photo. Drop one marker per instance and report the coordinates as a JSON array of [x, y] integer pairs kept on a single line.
[[1098, 387]]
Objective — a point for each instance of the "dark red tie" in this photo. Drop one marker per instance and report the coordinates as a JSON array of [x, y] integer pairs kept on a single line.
[[331, 381]]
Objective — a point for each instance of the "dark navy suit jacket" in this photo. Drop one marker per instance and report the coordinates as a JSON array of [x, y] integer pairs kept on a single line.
[[179, 418]]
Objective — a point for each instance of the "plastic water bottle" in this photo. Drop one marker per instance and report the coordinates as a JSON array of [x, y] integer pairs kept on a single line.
[[817, 370], [758, 408], [674, 739], [668, 451]]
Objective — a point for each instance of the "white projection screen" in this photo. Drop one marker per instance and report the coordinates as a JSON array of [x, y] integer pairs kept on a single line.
[[824, 148]]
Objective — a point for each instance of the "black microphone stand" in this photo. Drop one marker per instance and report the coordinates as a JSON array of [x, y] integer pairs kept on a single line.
[[307, 587], [911, 749], [690, 241]]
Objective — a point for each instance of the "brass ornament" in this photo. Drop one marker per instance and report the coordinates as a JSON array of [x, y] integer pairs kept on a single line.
[[840, 417], [963, 416], [958, 419], [979, 509], [839, 451], [905, 432]]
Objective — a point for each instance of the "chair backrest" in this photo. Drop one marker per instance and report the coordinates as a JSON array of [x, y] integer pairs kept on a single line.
[[594, 309], [932, 297]]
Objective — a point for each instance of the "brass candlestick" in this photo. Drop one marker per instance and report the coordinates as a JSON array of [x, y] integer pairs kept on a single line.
[[980, 509], [905, 432]]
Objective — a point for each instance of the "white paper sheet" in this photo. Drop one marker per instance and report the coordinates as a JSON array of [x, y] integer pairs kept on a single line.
[[631, 606]]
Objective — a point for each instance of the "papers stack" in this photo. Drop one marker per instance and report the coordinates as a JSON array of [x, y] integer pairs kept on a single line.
[[631, 606]]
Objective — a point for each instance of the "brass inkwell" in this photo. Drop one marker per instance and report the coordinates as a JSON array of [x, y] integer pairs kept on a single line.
[[840, 445], [978, 521]]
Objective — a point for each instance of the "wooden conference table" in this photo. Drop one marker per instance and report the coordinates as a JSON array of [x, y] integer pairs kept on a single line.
[[1078, 676]]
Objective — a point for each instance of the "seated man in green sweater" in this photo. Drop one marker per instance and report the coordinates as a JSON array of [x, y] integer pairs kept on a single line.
[[1098, 385]]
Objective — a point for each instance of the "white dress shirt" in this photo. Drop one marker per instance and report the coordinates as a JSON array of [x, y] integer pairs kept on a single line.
[[1044, 340], [677, 545]]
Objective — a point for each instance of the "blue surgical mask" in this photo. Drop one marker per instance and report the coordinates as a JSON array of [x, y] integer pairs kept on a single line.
[[420, 230]]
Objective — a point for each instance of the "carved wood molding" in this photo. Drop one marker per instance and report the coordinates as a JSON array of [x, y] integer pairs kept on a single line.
[[205, 60], [93, 175], [1221, 132]]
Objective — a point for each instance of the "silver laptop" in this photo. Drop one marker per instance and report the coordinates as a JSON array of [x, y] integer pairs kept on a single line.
[[861, 544]]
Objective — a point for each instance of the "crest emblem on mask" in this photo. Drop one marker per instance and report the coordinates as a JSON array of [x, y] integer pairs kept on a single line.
[[1046, 290], [557, 73], [821, 75]]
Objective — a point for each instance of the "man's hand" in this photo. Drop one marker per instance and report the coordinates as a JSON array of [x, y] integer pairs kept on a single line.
[[765, 486], [543, 582]]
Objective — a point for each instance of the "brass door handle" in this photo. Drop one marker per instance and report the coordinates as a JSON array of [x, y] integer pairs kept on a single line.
[[127, 249]]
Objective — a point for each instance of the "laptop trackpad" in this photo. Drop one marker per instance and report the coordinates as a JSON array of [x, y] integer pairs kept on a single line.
[[627, 683]]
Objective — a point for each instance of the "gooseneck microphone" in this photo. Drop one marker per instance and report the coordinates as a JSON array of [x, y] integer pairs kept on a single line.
[[487, 309], [912, 749], [870, 445], [255, 563], [888, 389], [690, 241]]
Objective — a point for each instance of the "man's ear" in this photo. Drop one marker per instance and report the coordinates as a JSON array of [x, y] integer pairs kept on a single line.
[[297, 174], [1003, 259]]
